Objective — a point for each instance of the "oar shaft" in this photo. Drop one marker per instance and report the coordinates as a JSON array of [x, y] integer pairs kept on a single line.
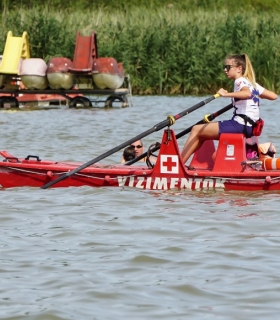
[[211, 117], [184, 132], [168, 122], [196, 106], [102, 156]]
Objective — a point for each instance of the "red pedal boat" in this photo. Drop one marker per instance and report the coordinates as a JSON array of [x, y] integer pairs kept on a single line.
[[230, 170]]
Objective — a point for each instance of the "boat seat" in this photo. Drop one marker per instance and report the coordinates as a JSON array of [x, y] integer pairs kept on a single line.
[[85, 52], [231, 152], [203, 157]]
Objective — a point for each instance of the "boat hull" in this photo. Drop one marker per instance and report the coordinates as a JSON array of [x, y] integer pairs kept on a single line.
[[107, 73], [230, 170], [34, 82], [103, 81], [33, 73], [61, 80], [58, 74]]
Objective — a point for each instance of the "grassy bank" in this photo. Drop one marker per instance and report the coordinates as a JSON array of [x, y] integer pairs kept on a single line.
[[164, 51], [124, 5]]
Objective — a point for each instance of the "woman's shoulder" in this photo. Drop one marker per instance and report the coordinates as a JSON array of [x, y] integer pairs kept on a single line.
[[242, 80]]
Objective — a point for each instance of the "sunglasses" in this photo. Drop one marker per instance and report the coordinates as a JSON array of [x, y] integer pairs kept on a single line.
[[228, 66], [138, 147]]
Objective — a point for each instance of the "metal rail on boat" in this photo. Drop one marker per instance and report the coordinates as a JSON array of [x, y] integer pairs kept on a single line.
[[78, 98]]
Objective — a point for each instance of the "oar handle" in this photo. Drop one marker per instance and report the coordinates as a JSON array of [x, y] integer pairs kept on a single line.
[[207, 118]]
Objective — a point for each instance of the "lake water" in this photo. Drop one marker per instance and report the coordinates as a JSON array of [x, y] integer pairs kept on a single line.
[[110, 253]]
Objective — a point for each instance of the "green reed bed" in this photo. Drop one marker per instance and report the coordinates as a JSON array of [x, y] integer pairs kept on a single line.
[[164, 51], [190, 5]]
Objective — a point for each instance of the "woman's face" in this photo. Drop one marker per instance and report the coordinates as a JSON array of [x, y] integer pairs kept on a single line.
[[231, 70], [138, 146]]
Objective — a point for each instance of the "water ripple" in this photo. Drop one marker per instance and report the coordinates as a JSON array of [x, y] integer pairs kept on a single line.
[[109, 253]]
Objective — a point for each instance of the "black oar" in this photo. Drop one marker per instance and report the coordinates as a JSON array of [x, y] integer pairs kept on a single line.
[[168, 122], [206, 119]]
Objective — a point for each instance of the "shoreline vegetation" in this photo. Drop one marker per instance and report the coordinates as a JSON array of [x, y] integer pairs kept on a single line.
[[168, 49]]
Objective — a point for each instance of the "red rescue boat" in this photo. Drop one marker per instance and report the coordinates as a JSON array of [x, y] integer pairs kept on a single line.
[[228, 170]]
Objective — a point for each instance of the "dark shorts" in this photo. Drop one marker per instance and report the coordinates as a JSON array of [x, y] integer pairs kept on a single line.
[[232, 126]]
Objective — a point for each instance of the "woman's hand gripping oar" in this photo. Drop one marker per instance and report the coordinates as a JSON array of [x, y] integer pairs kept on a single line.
[[168, 122], [206, 119]]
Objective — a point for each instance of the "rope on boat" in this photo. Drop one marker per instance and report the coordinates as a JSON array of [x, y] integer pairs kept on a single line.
[[27, 171], [60, 173], [86, 176], [250, 180]]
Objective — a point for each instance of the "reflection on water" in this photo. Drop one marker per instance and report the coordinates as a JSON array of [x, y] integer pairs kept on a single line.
[[118, 253]]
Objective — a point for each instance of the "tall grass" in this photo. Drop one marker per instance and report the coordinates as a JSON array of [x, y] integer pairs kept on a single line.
[[124, 5], [165, 51]]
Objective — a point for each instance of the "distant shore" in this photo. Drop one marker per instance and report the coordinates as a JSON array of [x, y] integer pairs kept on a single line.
[[164, 51]]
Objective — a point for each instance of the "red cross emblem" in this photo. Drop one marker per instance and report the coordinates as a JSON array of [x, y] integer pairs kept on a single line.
[[169, 164]]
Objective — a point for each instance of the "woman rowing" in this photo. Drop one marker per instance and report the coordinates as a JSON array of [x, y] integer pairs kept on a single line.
[[245, 98]]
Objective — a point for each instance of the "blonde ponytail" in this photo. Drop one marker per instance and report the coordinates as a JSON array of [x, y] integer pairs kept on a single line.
[[247, 68], [249, 71]]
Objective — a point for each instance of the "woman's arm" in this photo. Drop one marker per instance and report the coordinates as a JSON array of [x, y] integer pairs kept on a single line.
[[270, 95], [244, 93]]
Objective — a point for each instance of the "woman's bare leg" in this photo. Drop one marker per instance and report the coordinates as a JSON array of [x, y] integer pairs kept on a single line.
[[198, 135]]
